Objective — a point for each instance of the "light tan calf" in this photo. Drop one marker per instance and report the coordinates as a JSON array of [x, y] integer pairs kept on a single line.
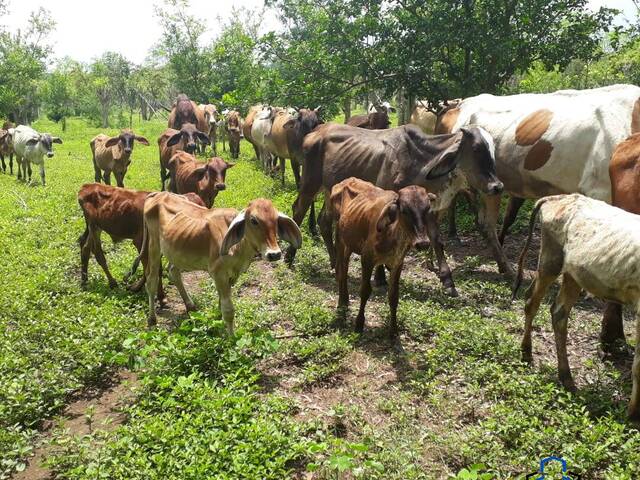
[[220, 241]]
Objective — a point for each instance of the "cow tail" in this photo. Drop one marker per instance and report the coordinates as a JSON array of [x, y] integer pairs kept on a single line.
[[523, 254]]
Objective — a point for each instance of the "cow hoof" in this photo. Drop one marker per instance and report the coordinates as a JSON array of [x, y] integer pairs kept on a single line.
[[191, 307], [451, 292], [113, 283], [527, 357], [152, 322], [454, 240], [618, 348]]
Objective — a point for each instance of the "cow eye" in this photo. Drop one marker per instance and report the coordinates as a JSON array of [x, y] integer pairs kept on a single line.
[[254, 221]]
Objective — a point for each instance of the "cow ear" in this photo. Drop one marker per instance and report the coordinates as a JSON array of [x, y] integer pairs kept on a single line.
[[113, 141], [200, 172], [289, 123], [446, 162], [142, 140], [173, 140], [234, 234], [432, 197], [33, 141], [388, 215], [56, 140], [289, 231], [203, 137], [230, 164]]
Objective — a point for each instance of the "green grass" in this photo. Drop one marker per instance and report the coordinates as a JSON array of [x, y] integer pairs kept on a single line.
[[293, 391]]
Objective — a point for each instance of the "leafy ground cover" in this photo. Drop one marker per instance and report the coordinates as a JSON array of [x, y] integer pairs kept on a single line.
[[294, 393]]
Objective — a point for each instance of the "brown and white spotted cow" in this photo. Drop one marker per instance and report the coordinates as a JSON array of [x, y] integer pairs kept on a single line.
[[548, 144]]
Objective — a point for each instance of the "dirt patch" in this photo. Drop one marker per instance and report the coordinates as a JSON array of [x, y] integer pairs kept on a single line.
[[103, 404]]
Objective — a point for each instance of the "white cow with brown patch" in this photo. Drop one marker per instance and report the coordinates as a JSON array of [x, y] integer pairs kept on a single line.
[[595, 247]]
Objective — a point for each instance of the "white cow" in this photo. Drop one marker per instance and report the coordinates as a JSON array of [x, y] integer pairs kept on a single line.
[[261, 135], [595, 247], [551, 143], [31, 147]]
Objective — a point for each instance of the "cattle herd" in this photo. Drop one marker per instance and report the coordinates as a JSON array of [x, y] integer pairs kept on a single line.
[[385, 190]]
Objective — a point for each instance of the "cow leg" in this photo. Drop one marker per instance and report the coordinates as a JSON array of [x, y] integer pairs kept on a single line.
[[489, 221], [634, 401], [343, 256], [282, 169], [119, 178], [566, 299], [19, 163], [394, 295], [510, 216], [85, 255], [28, 164], [534, 296], [444, 271], [365, 291], [100, 258], [176, 277], [612, 332], [42, 174], [223, 286], [11, 163], [313, 229], [380, 277], [4, 166], [107, 177], [303, 201], [295, 168], [325, 222], [137, 286], [152, 274]]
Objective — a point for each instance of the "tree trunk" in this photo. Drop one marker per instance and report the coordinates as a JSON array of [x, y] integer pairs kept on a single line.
[[346, 108], [64, 124], [144, 109], [105, 116]]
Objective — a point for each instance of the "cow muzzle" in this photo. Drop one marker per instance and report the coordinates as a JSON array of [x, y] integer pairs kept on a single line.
[[273, 255], [422, 244], [191, 147], [495, 188], [127, 150], [220, 186], [49, 154]]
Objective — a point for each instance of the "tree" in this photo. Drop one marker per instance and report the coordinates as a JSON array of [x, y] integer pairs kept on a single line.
[[109, 76], [59, 93], [23, 64]]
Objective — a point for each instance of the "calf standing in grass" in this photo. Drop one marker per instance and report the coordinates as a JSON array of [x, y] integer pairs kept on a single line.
[[31, 147], [6, 150], [203, 179], [118, 212], [381, 226], [171, 141], [234, 132], [220, 241], [595, 247], [113, 154]]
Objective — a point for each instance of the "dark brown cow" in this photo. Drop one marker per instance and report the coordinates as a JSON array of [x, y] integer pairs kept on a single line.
[[118, 212], [184, 111], [393, 159], [371, 121], [380, 226], [233, 126], [6, 149], [294, 130], [172, 140], [624, 170], [203, 179]]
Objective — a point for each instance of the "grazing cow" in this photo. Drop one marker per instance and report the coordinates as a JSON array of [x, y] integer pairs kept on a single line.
[[595, 247], [203, 179], [184, 111], [171, 141], [247, 126], [6, 149], [220, 241], [553, 143], [118, 212], [31, 147], [233, 128], [113, 154], [423, 117], [394, 159], [378, 120], [210, 123], [380, 226]]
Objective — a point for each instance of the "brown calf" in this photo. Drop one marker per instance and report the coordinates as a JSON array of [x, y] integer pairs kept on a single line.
[[172, 140], [234, 130], [381, 226], [118, 212], [113, 154], [220, 241], [6, 149], [203, 179], [183, 111], [371, 121]]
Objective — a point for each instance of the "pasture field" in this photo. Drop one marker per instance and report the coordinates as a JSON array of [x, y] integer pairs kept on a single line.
[[292, 394]]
